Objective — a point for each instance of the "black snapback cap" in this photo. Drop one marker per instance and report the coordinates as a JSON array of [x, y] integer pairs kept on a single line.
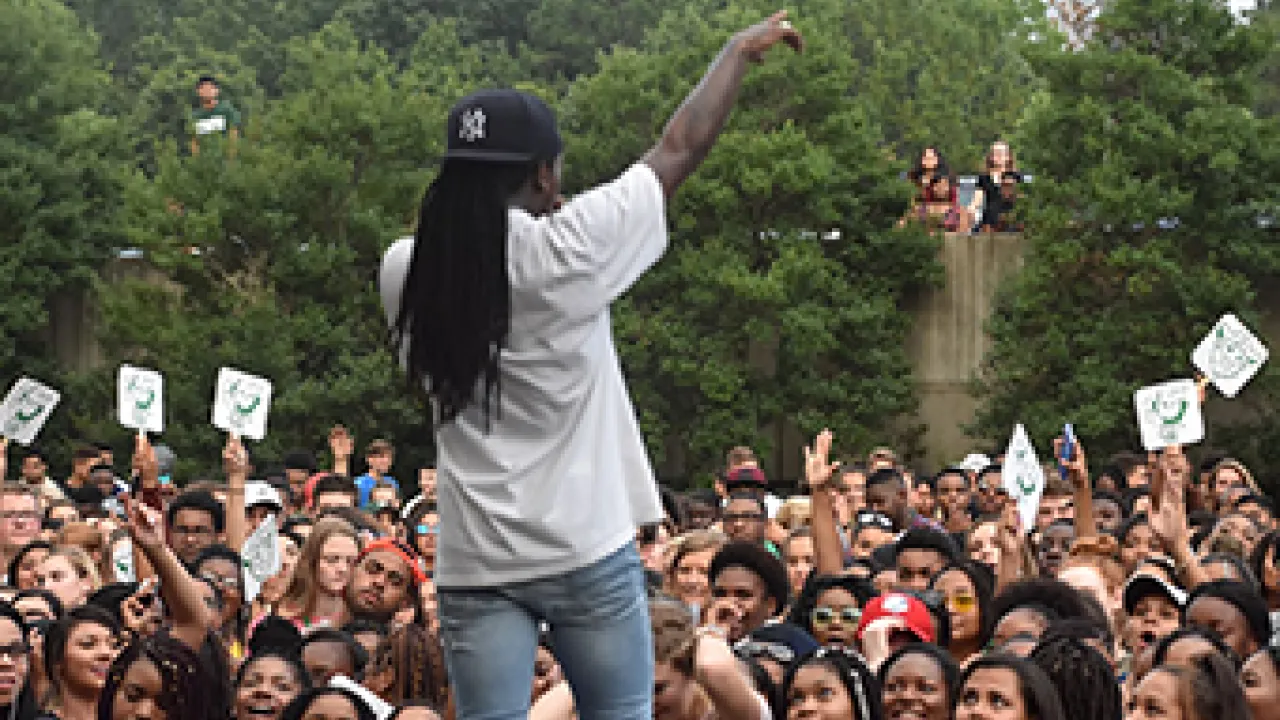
[[503, 126]]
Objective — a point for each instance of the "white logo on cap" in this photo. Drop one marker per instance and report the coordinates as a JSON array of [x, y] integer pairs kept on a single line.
[[897, 604], [472, 125]]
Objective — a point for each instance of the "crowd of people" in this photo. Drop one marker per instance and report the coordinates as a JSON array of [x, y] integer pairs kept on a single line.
[[937, 202], [545, 575], [1145, 589]]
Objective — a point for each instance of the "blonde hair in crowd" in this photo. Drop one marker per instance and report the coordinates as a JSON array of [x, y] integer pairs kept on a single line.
[[80, 562]]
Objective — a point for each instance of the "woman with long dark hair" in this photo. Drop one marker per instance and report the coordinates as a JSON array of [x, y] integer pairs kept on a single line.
[[17, 701], [78, 652], [158, 678], [499, 305]]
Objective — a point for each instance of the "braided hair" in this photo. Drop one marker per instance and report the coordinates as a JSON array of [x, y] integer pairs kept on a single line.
[[185, 689], [413, 656], [1085, 681], [857, 678], [455, 309]]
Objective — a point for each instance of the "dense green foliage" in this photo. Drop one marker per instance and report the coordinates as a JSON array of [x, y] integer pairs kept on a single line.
[[1153, 120], [753, 326]]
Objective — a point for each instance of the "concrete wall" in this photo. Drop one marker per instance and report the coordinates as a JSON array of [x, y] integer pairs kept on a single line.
[[949, 341]]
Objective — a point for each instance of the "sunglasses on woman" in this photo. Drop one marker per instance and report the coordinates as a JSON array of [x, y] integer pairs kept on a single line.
[[962, 603], [823, 616]]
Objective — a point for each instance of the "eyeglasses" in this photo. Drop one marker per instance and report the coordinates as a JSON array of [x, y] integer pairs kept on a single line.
[[776, 652], [743, 517], [823, 616], [14, 651], [962, 603], [224, 582], [428, 529]]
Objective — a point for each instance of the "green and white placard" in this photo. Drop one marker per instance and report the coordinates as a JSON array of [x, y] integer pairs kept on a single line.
[[261, 557], [26, 409], [140, 398], [241, 402], [1023, 475], [1230, 355], [1169, 414]]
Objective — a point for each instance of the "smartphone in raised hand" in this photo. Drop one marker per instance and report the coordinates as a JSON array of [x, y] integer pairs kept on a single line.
[[1068, 450]]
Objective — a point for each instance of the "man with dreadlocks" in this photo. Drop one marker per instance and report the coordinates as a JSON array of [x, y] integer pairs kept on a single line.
[[500, 308]]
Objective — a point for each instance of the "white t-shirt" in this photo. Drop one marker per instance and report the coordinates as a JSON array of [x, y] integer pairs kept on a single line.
[[562, 479]]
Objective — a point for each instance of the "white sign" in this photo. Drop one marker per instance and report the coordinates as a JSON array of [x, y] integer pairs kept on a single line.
[[25, 410], [260, 555], [240, 403], [1023, 476], [1230, 355], [122, 561], [1169, 414], [140, 397]]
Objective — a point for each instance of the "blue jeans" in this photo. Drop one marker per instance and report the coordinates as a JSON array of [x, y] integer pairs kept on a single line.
[[600, 634]]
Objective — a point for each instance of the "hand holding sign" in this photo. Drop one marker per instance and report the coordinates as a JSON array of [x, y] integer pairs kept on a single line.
[[140, 397], [241, 403], [1169, 414], [235, 459], [1230, 355], [26, 409]]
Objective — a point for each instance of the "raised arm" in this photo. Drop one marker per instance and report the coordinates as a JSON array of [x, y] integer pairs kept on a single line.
[[181, 592], [235, 462], [1078, 472], [693, 129], [827, 549]]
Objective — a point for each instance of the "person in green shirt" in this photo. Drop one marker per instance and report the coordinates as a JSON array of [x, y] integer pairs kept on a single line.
[[214, 114]]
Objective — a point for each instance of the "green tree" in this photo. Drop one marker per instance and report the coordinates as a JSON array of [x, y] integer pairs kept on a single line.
[[1147, 221], [63, 174], [754, 319], [267, 260], [946, 74]]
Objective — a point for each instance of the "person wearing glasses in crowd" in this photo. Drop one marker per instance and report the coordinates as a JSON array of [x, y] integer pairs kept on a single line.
[[19, 521]]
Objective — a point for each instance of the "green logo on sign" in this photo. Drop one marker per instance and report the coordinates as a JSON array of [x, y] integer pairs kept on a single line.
[[31, 413], [1174, 419], [140, 402], [240, 408]]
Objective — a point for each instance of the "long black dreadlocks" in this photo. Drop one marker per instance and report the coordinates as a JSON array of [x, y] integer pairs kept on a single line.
[[455, 309]]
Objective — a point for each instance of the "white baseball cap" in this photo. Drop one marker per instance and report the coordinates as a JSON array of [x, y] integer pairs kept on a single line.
[[260, 493], [975, 462]]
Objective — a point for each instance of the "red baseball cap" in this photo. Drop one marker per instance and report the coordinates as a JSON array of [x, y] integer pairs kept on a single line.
[[915, 616], [745, 476]]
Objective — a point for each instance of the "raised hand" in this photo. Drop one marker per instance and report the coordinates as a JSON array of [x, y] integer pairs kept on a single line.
[[1009, 531], [144, 461], [145, 524], [759, 38], [817, 465], [1077, 466], [235, 458]]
